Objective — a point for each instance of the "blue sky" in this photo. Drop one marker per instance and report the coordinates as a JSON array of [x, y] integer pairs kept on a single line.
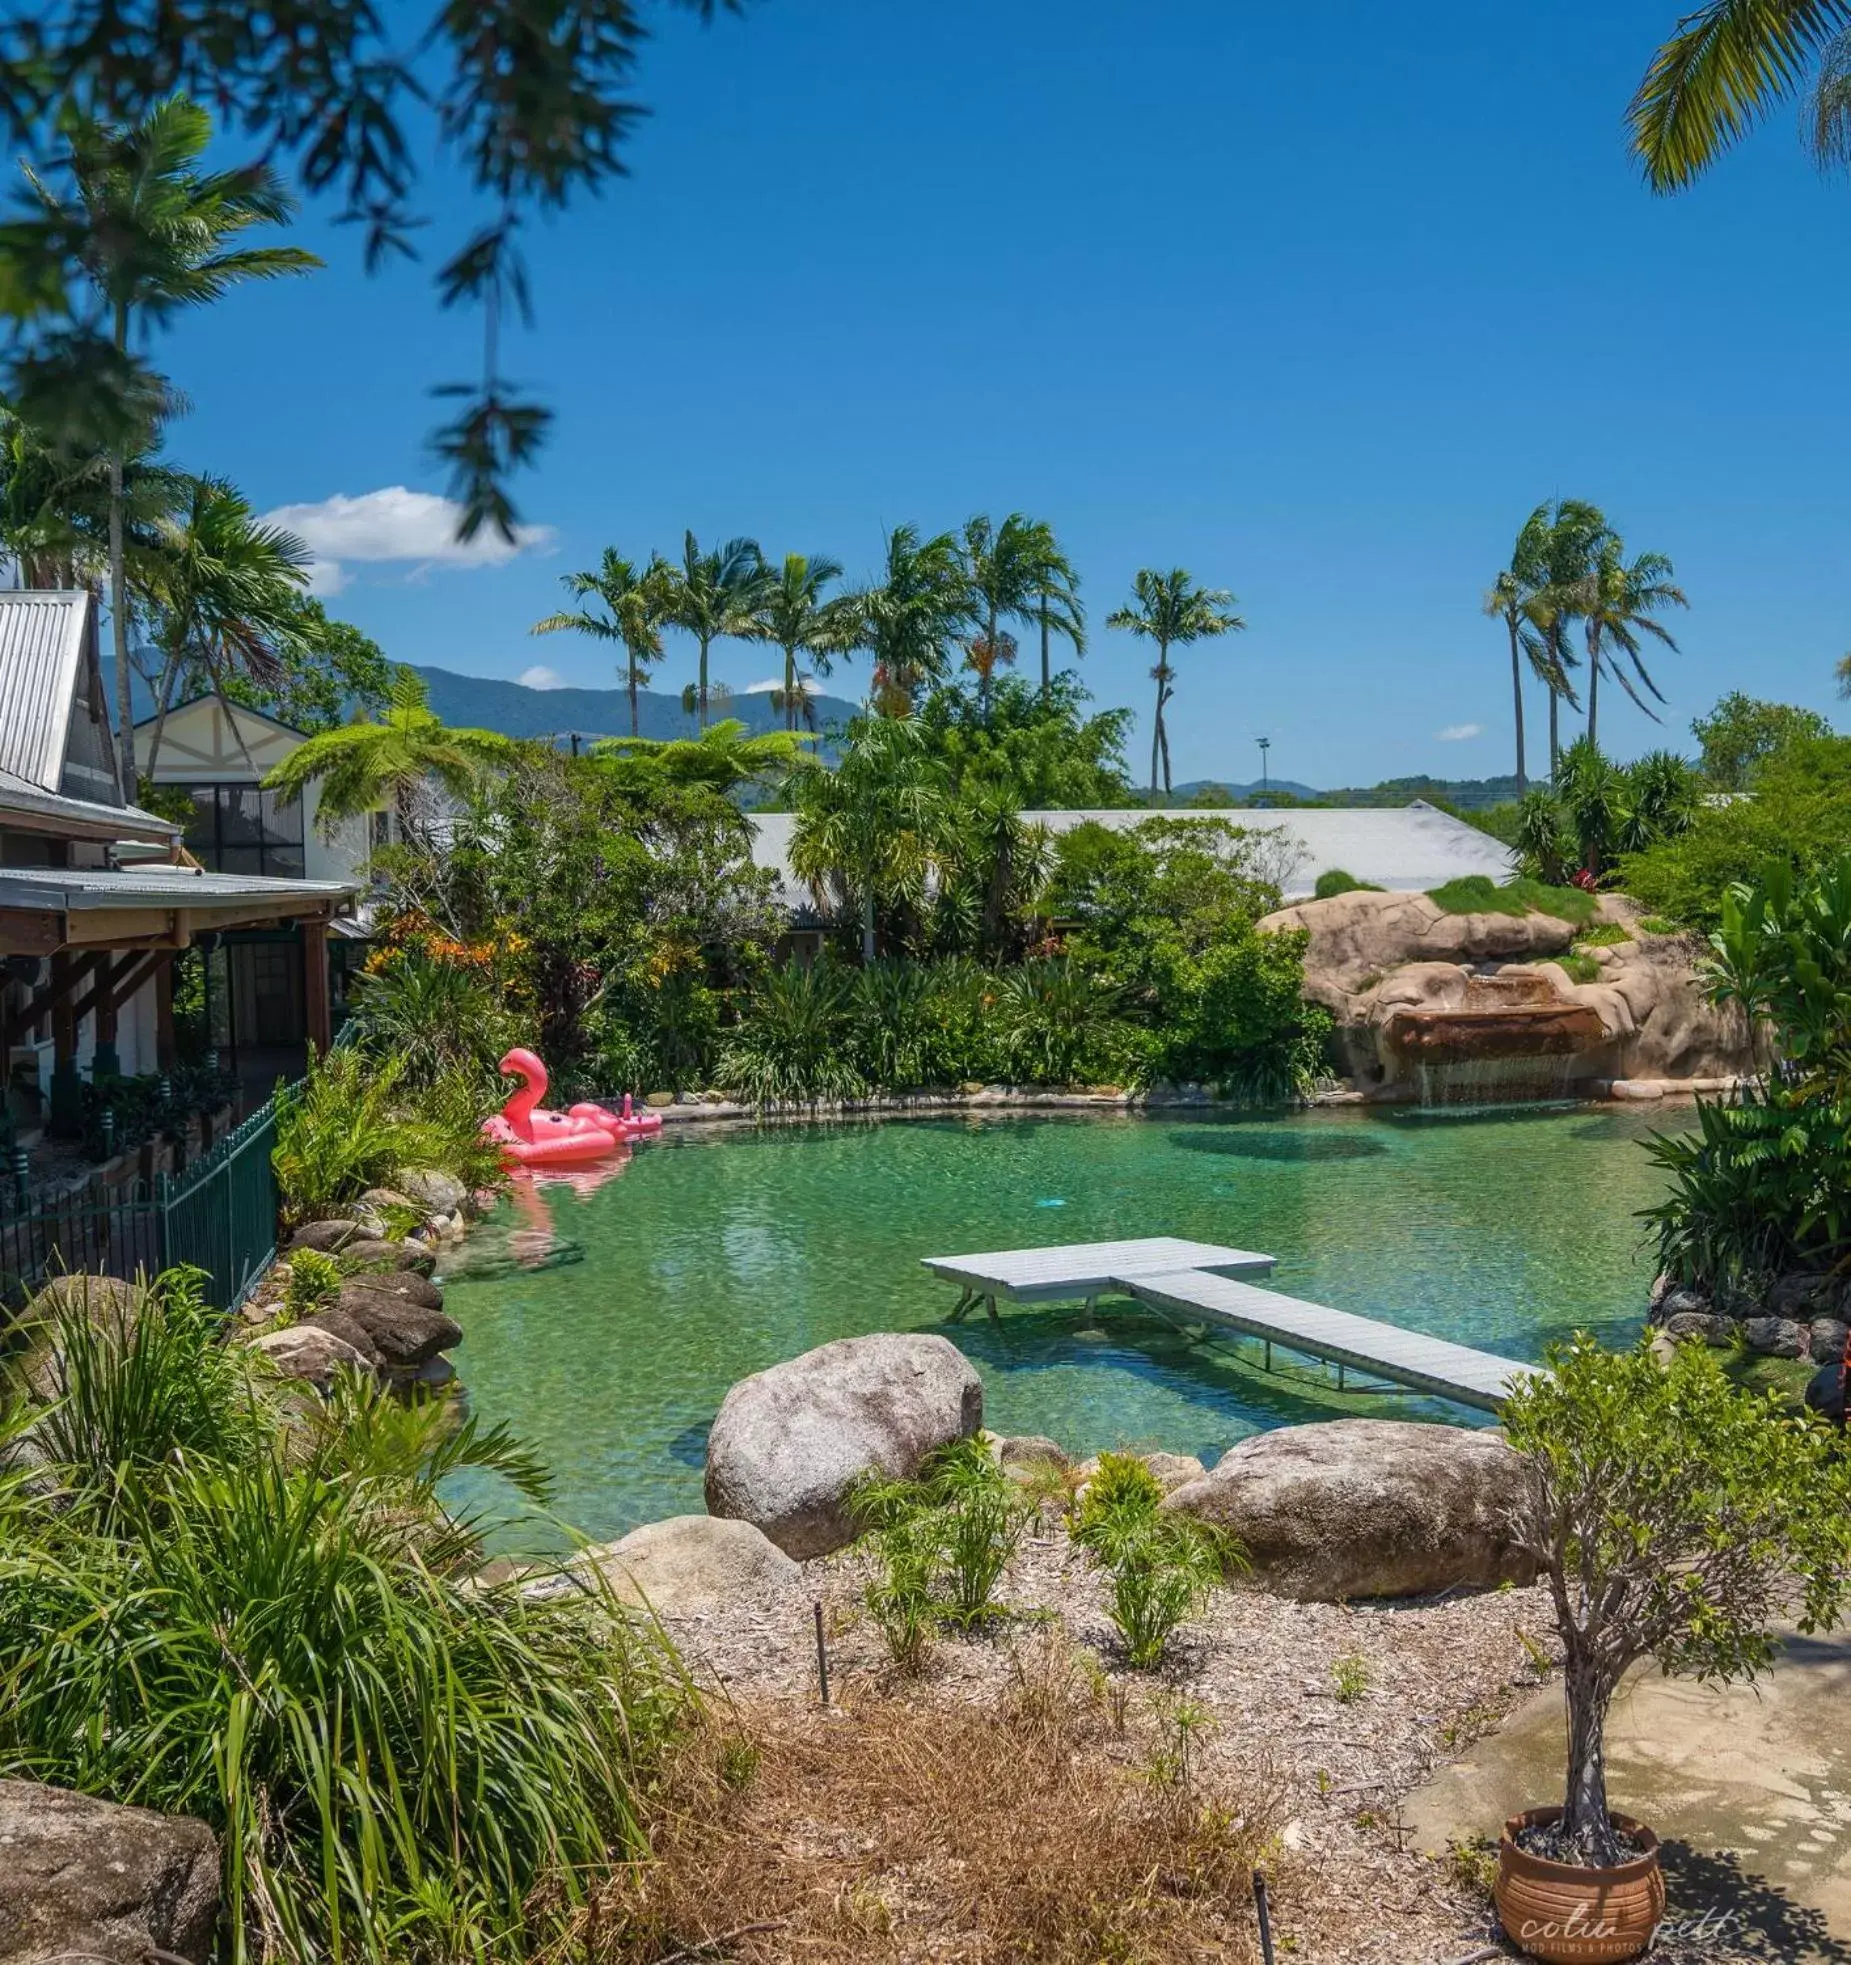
[[1316, 302]]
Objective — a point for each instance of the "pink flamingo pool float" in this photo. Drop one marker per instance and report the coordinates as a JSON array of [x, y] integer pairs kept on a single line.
[[530, 1136]]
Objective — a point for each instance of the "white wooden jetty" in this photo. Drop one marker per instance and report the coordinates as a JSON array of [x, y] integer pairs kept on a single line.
[[1200, 1284], [1079, 1271]]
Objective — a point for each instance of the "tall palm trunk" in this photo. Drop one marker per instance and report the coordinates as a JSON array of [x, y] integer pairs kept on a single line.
[[1156, 733], [1047, 680], [790, 690], [636, 728], [118, 596], [706, 642], [1516, 692], [1593, 685]]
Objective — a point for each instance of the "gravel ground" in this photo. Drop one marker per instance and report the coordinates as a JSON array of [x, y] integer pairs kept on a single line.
[[1421, 1678]]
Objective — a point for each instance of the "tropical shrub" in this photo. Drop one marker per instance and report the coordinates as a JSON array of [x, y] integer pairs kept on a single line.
[[1334, 881], [353, 1122], [1165, 913], [314, 1282], [437, 1016], [1763, 1183], [282, 1631], [792, 1041], [894, 1030], [1058, 1024], [941, 1544], [1798, 811], [1674, 1517]]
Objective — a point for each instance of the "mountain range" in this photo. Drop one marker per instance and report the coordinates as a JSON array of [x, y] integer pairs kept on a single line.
[[484, 702]]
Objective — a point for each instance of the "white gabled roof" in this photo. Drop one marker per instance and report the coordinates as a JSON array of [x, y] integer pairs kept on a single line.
[[1405, 848], [42, 647]]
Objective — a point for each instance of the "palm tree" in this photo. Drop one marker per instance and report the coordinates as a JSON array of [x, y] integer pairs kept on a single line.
[[54, 510], [1517, 598], [1725, 66], [225, 593], [150, 234], [1171, 610], [715, 594], [794, 616], [635, 606], [1570, 551], [1016, 572], [361, 767], [1621, 601], [910, 622], [865, 831]]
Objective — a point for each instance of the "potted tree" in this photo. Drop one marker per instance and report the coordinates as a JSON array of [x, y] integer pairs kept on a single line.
[[1676, 1517]]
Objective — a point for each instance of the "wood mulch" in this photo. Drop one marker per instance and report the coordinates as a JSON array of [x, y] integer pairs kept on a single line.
[[1333, 1712]]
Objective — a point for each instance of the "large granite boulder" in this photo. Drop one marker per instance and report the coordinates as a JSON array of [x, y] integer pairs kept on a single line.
[[1369, 1508], [789, 1443], [324, 1237], [85, 1880], [695, 1563], [434, 1192], [370, 1253], [309, 1352], [403, 1328], [111, 1306]]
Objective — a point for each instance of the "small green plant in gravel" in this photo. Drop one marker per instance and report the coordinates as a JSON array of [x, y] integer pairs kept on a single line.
[[1351, 1677], [1472, 1864], [941, 1543], [1162, 1566], [1603, 934]]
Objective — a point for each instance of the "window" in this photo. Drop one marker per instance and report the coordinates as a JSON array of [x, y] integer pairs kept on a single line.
[[239, 829]]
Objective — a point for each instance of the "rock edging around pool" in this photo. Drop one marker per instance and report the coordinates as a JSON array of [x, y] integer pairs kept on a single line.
[[1326, 1512]]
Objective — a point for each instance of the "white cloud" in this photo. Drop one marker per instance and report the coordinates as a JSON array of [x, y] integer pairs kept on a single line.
[[1460, 733], [541, 677], [807, 685], [394, 526]]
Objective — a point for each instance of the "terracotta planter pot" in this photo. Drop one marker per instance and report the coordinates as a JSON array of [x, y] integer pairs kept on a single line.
[[1568, 1915]]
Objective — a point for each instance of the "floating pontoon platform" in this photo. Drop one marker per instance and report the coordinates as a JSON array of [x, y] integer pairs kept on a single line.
[[1199, 1283]]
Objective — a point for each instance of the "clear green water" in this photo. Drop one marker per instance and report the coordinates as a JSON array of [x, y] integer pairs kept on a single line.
[[716, 1253]]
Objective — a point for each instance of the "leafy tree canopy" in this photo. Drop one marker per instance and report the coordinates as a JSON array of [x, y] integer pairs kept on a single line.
[[1743, 730], [1799, 813], [1045, 752], [334, 672], [533, 100]]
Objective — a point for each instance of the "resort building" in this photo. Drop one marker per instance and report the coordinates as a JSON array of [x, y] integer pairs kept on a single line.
[[1404, 848], [100, 899]]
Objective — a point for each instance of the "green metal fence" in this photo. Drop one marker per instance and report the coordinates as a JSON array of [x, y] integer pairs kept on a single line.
[[218, 1214]]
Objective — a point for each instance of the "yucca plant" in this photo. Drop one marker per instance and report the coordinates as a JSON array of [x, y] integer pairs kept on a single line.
[[282, 1632], [792, 1042], [891, 1015], [1057, 1020]]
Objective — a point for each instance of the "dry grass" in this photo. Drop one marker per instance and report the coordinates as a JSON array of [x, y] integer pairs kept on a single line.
[[1048, 1826]]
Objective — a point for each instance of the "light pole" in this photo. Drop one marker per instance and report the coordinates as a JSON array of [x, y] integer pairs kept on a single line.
[[1266, 788]]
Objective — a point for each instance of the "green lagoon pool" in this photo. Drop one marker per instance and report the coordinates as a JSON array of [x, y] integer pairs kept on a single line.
[[714, 1253]]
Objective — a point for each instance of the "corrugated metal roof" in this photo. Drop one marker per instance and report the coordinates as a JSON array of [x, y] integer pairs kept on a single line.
[[41, 646], [74, 889], [1406, 848], [86, 818]]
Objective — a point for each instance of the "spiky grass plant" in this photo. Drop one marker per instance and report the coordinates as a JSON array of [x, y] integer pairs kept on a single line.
[[280, 1629], [1162, 1566], [941, 1543]]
